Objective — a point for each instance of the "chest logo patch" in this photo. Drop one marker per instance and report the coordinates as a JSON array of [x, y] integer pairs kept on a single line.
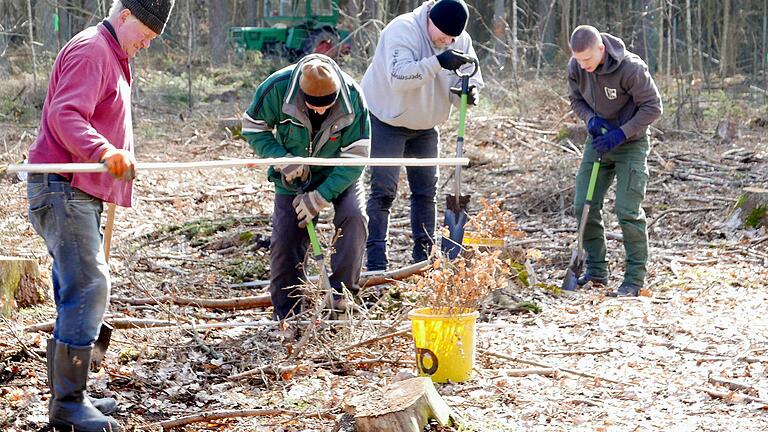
[[610, 93]]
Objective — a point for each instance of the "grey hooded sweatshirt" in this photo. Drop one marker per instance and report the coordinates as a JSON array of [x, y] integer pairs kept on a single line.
[[620, 91], [404, 84]]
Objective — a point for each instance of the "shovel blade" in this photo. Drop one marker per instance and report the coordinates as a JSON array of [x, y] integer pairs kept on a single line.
[[101, 345], [455, 219], [455, 222], [575, 267], [570, 283]]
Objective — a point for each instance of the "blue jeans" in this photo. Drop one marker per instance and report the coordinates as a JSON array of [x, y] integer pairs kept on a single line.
[[69, 220], [289, 244], [392, 142]]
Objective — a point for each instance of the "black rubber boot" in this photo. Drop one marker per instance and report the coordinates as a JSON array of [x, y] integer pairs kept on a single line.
[[106, 405], [71, 410]]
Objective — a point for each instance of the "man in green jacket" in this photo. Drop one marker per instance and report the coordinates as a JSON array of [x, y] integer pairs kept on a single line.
[[613, 93], [312, 109]]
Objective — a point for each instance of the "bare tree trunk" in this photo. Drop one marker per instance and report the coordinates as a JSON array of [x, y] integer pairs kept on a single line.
[[689, 35], [700, 56], [565, 24], [662, 15], [499, 30], [546, 35], [219, 24], [370, 10], [30, 24], [514, 39], [46, 24], [725, 39], [764, 52], [190, 40], [670, 36], [251, 8]]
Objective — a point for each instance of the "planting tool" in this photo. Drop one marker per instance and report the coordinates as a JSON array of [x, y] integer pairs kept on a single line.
[[324, 282], [576, 264], [456, 205], [317, 251]]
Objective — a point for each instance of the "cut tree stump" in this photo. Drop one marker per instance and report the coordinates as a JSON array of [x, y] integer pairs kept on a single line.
[[750, 210], [21, 284], [405, 406]]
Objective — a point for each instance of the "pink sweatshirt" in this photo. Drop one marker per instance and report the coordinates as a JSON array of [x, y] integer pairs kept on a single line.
[[87, 110]]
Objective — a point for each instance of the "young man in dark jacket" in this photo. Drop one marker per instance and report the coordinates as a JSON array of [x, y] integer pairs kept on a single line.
[[86, 117], [613, 93], [313, 109]]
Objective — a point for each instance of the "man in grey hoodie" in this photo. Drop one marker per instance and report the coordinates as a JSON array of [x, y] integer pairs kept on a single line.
[[410, 87], [613, 93]]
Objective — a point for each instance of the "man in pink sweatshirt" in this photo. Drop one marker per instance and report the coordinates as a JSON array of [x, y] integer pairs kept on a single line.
[[86, 118]]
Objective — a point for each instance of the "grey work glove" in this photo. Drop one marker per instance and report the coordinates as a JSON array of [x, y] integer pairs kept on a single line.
[[292, 172], [308, 205], [473, 95]]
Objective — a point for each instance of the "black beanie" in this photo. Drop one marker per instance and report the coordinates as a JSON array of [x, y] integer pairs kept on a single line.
[[450, 16], [152, 13]]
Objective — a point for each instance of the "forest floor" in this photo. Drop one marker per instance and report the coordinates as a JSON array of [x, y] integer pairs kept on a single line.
[[641, 364]]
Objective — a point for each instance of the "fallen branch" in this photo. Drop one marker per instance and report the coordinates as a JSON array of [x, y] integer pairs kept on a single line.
[[547, 366], [664, 213], [731, 396], [733, 385], [138, 323], [585, 352], [366, 278], [394, 275], [236, 303], [526, 372], [375, 339], [228, 414], [271, 368]]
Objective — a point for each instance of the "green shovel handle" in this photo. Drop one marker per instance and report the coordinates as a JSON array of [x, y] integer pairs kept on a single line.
[[593, 180], [316, 250]]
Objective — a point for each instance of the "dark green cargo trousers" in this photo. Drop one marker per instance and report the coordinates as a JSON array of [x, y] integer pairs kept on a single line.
[[628, 164]]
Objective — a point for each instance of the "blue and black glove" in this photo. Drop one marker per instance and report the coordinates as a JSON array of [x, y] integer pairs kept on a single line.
[[596, 126], [609, 141]]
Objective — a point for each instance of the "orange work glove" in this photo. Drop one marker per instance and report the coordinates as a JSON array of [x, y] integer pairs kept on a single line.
[[120, 163]]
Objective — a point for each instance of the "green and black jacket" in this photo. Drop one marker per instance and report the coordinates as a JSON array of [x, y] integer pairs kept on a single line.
[[276, 124]]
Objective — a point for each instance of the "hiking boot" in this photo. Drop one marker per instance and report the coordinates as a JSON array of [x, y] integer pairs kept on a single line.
[[626, 289], [343, 308], [284, 333], [595, 280]]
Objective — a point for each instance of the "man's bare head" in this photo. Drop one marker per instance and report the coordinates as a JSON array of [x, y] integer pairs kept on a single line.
[[587, 47]]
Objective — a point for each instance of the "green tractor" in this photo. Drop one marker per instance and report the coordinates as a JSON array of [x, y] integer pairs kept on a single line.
[[295, 28]]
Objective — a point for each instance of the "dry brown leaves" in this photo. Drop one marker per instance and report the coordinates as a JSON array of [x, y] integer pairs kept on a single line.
[[460, 285]]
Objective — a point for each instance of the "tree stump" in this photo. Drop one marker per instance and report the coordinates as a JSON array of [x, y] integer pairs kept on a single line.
[[21, 284], [405, 406], [751, 209]]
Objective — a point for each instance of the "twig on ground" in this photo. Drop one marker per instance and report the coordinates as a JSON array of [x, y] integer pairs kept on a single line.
[[376, 339], [584, 352], [228, 414], [731, 384], [544, 365], [731, 396]]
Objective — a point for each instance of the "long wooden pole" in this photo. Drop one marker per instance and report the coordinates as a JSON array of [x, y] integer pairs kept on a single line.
[[239, 163]]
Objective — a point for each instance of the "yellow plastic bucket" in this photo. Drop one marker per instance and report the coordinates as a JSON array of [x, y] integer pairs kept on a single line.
[[445, 343]]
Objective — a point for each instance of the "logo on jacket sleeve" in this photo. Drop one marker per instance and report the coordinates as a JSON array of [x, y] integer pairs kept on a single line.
[[610, 93]]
